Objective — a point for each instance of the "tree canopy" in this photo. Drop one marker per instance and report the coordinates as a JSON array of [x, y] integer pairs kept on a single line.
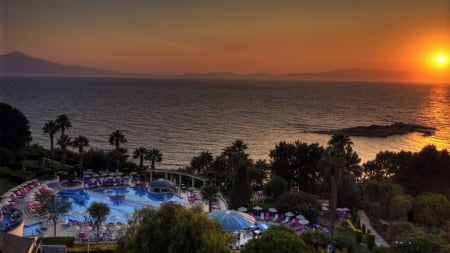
[[171, 229], [277, 239], [14, 128]]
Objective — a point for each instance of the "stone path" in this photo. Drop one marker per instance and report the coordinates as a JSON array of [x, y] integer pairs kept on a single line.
[[379, 241]]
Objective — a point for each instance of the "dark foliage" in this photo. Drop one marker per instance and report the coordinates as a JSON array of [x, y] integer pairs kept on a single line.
[[14, 128]]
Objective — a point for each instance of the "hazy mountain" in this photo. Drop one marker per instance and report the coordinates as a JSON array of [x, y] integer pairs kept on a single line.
[[19, 64], [354, 74]]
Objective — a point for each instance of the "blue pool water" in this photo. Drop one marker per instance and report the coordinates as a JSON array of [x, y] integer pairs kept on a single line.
[[135, 198], [32, 230]]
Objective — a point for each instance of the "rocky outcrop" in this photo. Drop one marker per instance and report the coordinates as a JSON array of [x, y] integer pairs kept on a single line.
[[381, 130]]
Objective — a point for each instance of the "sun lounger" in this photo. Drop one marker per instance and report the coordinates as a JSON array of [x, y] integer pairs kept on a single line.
[[275, 217]]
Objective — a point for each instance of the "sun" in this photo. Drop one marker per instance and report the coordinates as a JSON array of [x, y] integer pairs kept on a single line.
[[441, 59]]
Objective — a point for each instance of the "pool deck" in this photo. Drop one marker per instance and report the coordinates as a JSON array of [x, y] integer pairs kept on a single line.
[[62, 230]]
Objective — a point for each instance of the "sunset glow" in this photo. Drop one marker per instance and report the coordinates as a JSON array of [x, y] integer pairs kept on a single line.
[[159, 38]]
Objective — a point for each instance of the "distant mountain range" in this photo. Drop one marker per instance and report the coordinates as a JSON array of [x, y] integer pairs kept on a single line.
[[19, 64], [353, 74]]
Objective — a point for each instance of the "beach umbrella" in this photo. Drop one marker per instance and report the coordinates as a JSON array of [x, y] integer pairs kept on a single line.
[[104, 174], [114, 228], [324, 208], [232, 220], [300, 217], [115, 217], [257, 208], [345, 209], [242, 209], [87, 228], [119, 173], [273, 210], [289, 214], [103, 228], [303, 222], [87, 176], [339, 209], [95, 175]]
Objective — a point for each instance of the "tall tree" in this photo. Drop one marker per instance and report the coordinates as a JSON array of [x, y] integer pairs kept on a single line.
[[63, 123], [52, 205], [202, 164], [80, 143], [334, 163], [50, 127], [140, 153], [116, 138], [210, 193], [278, 239], [173, 228], [154, 155], [64, 141], [98, 211], [14, 129]]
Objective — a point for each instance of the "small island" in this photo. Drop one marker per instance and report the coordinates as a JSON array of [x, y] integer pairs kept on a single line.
[[381, 130]]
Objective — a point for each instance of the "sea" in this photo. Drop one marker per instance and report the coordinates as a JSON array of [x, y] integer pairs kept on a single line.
[[184, 117]]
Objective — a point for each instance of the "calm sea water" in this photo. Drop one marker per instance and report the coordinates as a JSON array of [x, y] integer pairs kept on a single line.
[[184, 117]]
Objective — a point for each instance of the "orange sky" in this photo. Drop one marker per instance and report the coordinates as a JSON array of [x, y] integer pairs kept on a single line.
[[152, 37]]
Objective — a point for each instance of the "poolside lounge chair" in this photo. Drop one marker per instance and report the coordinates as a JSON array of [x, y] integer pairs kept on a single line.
[[275, 217]]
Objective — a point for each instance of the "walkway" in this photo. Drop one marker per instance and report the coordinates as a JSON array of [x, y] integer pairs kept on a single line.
[[379, 241]]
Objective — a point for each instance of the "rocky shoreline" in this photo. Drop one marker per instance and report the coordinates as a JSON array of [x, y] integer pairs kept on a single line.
[[397, 128]]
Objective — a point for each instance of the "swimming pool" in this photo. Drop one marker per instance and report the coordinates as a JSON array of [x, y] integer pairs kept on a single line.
[[121, 201]]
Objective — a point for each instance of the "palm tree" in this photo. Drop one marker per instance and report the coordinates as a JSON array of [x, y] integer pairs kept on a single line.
[[154, 155], [50, 127], [334, 163], [64, 141], [80, 142], [210, 193], [115, 139], [141, 153], [63, 123]]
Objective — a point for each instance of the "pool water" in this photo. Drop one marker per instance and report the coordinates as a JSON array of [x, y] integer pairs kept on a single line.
[[134, 198], [32, 230]]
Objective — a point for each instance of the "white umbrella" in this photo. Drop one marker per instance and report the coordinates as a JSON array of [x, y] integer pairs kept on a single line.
[[324, 208], [103, 228], [300, 217], [86, 228], [114, 228], [346, 209], [257, 208], [95, 175], [289, 214], [303, 222], [242, 209], [115, 217], [339, 209], [273, 210]]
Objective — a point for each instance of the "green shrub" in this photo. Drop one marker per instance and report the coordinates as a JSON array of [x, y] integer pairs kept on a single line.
[[370, 241], [382, 250], [5, 172], [61, 240], [343, 242], [358, 236], [22, 175]]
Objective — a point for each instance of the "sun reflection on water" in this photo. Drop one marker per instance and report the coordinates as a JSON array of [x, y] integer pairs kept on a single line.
[[437, 110]]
